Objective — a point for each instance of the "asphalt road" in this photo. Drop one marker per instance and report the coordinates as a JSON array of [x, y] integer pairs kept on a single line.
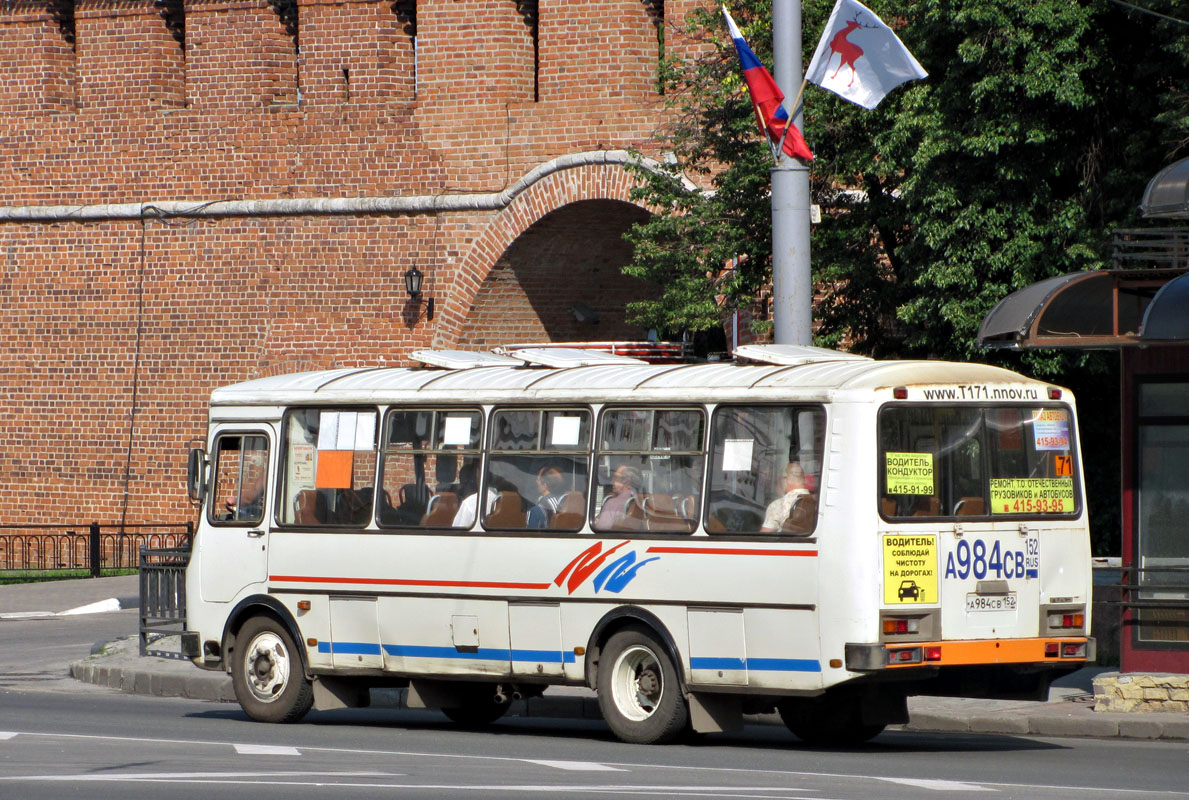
[[59, 740]]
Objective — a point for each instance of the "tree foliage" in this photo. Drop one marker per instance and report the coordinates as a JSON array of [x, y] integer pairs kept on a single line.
[[1030, 141], [1034, 136]]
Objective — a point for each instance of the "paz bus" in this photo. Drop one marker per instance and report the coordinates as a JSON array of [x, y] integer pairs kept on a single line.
[[798, 530]]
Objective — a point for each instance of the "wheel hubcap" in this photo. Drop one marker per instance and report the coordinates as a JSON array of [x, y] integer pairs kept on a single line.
[[267, 667], [637, 683]]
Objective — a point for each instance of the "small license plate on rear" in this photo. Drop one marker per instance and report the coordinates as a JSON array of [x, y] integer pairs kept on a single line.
[[991, 602]]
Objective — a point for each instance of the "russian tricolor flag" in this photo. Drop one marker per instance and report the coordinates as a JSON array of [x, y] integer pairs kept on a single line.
[[766, 98]]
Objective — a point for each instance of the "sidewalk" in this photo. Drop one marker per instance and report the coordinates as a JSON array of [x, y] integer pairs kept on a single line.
[[1069, 711]]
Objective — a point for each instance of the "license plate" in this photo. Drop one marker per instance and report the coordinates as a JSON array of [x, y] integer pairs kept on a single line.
[[991, 602]]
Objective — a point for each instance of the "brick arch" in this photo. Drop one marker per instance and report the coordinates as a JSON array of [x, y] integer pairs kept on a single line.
[[599, 182]]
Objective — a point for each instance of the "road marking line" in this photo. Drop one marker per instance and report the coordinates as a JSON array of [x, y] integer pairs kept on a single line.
[[7, 734], [149, 777], [575, 766], [938, 785], [266, 750]]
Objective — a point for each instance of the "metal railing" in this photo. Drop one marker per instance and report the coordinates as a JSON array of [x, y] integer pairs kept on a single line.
[[1139, 581], [1163, 247], [162, 597], [93, 547]]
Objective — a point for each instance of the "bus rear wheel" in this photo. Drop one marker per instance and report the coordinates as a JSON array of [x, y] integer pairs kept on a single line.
[[639, 693], [828, 721], [267, 673]]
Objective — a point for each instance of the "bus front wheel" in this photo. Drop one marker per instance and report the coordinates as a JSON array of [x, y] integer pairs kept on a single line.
[[639, 693], [267, 674]]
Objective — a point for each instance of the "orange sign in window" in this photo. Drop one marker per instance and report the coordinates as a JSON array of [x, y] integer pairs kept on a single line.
[[1064, 466]]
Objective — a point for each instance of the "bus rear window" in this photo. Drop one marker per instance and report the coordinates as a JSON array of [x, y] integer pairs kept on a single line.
[[971, 461]]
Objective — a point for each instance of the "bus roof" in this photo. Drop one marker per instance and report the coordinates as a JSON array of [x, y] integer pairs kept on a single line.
[[728, 381]]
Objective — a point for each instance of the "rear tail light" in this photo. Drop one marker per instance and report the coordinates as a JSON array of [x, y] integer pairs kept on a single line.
[[1073, 650], [893, 627], [1064, 620], [933, 653], [1052, 649], [904, 655]]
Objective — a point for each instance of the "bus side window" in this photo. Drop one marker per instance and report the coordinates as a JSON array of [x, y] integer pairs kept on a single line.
[[766, 464], [429, 471], [650, 469], [328, 467], [537, 467], [241, 477]]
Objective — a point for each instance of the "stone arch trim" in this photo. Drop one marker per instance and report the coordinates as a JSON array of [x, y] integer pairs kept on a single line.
[[608, 181]]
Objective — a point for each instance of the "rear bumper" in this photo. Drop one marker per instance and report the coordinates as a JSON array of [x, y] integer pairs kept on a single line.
[[1058, 650]]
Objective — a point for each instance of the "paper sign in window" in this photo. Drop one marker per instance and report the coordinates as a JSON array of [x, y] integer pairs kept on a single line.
[[345, 440], [565, 431], [909, 473], [457, 431], [1032, 496], [301, 466], [1050, 430], [365, 431], [334, 469], [736, 455], [328, 430]]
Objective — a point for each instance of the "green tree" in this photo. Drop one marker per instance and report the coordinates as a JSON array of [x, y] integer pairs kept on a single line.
[[1033, 137]]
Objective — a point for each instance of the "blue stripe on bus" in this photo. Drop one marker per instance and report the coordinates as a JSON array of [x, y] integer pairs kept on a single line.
[[555, 656], [419, 651], [758, 664]]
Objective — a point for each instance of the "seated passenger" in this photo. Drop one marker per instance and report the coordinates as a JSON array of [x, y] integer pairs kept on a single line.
[[468, 509], [625, 483], [550, 485], [780, 508]]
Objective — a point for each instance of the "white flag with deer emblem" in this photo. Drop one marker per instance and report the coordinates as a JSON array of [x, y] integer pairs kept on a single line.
[[860, 58]]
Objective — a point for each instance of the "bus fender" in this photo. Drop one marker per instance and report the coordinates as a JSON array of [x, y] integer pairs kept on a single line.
[[249, 607], [619, 618]]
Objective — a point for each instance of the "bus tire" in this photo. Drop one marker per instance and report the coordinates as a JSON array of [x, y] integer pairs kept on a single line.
[[479, 707], [639, 691], [267, 673], [827, 722]]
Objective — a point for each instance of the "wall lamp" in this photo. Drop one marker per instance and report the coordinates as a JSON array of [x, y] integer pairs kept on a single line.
[[413, 279]]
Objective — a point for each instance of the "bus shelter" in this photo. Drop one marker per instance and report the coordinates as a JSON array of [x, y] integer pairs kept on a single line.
[[1144, 315]]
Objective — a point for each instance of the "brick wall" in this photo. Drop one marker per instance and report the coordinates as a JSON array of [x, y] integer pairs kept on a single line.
[[118, 329]]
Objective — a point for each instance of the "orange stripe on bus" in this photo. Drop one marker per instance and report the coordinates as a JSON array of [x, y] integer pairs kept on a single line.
[[989, 651], [407, 582], [732, 551]]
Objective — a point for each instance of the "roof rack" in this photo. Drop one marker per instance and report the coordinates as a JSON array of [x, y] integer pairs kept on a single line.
[[792, 355], [461, 359], [569, 357]]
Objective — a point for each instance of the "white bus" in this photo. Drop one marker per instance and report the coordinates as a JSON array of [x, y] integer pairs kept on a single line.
[[800, 530]]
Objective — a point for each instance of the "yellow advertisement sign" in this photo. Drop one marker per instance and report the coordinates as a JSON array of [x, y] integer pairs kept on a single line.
[[1032, 496], [909, 569], [909, 473]]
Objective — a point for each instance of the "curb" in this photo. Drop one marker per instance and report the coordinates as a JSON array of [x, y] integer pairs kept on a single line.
[[216, 686]]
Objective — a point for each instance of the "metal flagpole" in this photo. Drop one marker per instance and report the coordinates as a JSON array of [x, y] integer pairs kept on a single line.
[[792, 284]]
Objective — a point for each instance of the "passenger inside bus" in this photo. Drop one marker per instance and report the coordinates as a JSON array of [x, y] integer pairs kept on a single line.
[[551, 485], [621, 511], [781, 509]]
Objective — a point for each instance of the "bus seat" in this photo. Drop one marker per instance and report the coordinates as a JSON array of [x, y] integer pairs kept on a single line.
[[441, 510], [632, 518], [571, 512], [413, 498], [970, 507], [508, 512], [714, 524], [927, 507], [686, 505], [306, 507], [802, 517], [660, 514]]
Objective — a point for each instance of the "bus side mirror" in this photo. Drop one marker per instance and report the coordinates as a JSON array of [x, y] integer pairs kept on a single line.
[[196, 475]]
